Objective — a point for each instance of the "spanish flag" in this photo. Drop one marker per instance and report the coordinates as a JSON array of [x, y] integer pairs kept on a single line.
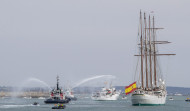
[[130, 88]]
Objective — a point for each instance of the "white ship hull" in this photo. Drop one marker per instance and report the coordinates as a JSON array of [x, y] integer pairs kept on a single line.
[[146, 99], [106, 98]]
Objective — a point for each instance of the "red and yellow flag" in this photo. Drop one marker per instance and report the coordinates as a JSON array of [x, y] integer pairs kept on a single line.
[[129, 89]]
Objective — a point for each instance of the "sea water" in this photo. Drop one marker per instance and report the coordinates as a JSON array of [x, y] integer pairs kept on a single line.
[[84, 103]]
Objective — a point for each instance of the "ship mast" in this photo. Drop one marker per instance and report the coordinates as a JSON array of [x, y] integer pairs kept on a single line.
[[148, 48], [150, 57], [155, 82], [146, 64], [141, 52]]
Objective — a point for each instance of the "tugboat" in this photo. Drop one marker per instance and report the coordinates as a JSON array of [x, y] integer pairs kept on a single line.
[[57, 95]]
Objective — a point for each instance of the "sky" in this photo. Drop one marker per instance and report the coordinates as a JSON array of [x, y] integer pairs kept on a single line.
[[79, 39]]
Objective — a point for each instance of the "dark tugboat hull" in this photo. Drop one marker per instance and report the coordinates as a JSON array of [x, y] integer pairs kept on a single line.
[[53, 101]]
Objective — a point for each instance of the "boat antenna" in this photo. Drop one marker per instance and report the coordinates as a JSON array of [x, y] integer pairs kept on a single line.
[[57, 82]]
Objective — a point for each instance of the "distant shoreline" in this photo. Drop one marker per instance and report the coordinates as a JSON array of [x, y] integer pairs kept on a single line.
[[44, 92]]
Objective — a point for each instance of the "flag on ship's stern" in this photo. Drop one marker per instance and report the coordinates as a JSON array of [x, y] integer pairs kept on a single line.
[[129, 89]]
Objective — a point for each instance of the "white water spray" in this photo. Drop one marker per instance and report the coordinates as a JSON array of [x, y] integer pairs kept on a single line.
[[39, 81], [28, 82], [92, 78]]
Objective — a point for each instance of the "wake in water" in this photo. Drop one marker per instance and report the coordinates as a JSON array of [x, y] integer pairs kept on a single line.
[[92, 78], [16, 106]]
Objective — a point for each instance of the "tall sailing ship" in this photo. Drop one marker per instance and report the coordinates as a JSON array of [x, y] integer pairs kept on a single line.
[[151, 89]]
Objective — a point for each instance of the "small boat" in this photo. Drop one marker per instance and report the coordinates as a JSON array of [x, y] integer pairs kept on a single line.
[[41, 98], [27, 97], [178, 94], [124, 97], [171, 99], [59, 106], [35, 103], [188, 100]]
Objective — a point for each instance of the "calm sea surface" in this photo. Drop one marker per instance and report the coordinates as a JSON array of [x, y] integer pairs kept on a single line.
[[84, 103]]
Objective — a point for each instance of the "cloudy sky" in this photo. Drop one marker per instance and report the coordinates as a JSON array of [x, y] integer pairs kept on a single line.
[[78, 39]]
